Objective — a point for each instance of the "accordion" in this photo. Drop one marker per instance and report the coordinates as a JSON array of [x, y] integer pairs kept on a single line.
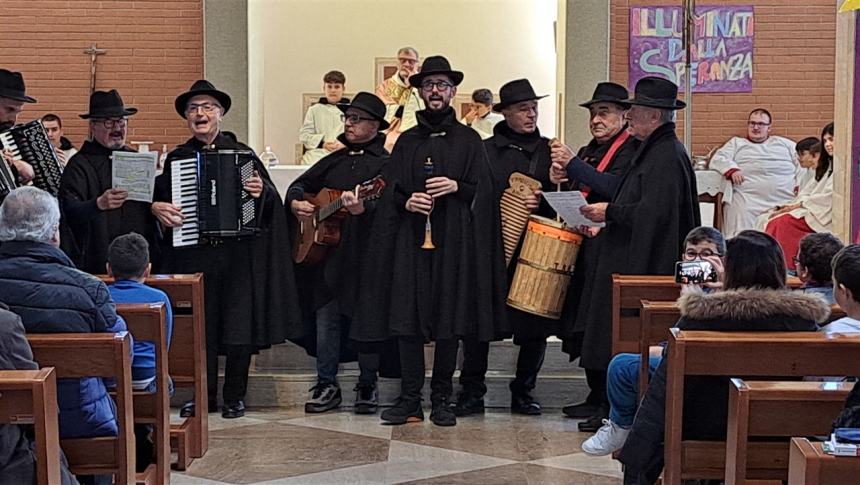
[[29, 143], [209, 192]]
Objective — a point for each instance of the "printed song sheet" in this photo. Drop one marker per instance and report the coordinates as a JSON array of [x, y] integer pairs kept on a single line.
[[135, 173], [567, 205]]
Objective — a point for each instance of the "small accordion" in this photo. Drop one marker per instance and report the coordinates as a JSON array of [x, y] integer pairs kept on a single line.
[[29, 143], [209, 191]]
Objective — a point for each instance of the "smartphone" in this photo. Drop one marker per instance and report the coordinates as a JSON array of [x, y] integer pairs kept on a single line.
[[695, 272]]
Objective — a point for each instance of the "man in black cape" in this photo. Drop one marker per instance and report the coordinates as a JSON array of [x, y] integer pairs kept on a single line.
[[454, 291], [596, 169], [249, 284], [328, 290], [13, 95], [515, 147], [94, 213], [654, 208]]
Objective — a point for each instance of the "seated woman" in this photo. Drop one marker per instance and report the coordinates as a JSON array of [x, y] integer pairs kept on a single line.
[[811, 210], [755, 298]]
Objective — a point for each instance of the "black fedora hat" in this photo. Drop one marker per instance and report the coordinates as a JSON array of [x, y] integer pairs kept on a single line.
[[608, 93], [370, 104], [515, 92], [656, 92], [12, 86], [435, 65], [107, 104], [199, 88]]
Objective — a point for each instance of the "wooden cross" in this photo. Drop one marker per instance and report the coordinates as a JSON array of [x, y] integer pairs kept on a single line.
[[94, 52]]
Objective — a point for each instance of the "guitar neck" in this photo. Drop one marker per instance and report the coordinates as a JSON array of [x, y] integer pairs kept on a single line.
[[325, 211]]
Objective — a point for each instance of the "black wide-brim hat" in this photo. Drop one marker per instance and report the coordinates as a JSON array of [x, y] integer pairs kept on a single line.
[[12, 86], [607, 92], [370, 104], [435, 65], [107, 104], [199, 88], [656, 92], [515, 92]]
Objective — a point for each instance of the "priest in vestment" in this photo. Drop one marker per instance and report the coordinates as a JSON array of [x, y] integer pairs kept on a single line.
[[400, 98], [762, 170]]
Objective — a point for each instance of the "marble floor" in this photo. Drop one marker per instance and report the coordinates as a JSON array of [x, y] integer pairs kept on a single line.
[[286, 446]]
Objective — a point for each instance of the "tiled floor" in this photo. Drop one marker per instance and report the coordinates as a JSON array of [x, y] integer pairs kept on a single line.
[[289, 447]]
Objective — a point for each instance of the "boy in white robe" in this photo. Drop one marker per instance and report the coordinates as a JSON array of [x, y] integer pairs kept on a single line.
[[323, 121], [762, 170], [481, 116]]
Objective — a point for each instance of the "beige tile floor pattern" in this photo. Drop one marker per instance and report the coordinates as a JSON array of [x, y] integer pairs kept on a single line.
[[286, 446]]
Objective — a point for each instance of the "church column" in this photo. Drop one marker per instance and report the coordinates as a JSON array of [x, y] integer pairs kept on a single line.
[[846, 182], [225, 64]]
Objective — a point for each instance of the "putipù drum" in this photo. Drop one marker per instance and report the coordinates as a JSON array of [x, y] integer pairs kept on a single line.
[[544, 267]]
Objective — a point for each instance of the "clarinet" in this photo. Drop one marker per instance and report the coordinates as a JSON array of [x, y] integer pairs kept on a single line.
[[428, 227]]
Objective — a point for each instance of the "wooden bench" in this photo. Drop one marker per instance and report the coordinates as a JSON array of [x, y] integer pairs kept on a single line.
[[186, 360], [30, 397], [147, 323], [808, 464], [105, 355], [739, 354], [777, 409]]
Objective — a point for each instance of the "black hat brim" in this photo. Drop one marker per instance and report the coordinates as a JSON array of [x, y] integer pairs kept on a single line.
[[677, 104], [620, 102], [18, 97], [383, 125], [498, 107], [124, 112], [415, 79], [182, 100]]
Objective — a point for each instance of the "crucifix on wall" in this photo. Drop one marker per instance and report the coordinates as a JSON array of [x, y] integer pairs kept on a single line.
[[94, 52]]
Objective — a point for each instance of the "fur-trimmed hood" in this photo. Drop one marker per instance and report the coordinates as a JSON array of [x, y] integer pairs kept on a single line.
[[753, 304]]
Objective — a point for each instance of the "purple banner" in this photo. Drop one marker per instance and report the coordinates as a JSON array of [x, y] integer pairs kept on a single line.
[[722, 50]]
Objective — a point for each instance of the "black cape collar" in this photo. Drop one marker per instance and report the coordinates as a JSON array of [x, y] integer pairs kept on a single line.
[[504, 136], [375, 147]]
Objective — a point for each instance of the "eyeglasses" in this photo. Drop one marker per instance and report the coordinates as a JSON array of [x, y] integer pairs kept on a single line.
[[406, 60], [690, 254], [442, 86], [207, 108], [757, 124], [112, 122], [354, 118]]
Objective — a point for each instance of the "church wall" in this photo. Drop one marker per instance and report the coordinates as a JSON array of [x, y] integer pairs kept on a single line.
[[793, 63]]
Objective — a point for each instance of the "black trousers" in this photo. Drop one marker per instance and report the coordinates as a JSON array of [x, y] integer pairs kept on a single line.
[[368, 366], [412, 369], [475, 357], [596, 379], [235, 372]]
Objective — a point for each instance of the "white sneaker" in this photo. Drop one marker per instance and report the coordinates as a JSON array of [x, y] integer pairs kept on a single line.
[[608, 439]]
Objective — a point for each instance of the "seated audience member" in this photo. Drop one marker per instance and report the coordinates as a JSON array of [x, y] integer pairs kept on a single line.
[[622, 388], [128, 263], [481, 116], [17, 455], [755, 298], [812, 209], [813, 262], [846, 289], [41, 285], [62, 146], [324, 121], [761, 169]]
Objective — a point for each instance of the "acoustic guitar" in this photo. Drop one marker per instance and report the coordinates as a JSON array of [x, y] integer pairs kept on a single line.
[[322, 231]]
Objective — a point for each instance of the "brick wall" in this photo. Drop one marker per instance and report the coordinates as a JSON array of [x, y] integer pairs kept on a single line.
[[793, 70], [154, 52]]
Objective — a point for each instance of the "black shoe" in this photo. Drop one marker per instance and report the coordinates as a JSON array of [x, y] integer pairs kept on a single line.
[[323, 398], [594, 422], [442, 414], [187, 410], [525, 404], [366, 399], [233, 410], [468, 404], [404, 411], [582, 410]]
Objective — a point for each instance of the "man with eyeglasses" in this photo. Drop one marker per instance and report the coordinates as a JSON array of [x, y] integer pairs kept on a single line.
[[328, 290], [761, 169], [440, 188], [94, 213], [401, 99]]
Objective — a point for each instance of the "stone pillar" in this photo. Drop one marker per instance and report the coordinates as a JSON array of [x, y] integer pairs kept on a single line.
[[846, 180], [225, 64]]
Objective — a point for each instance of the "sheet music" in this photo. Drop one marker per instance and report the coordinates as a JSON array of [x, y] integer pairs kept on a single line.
[[567, 205], [135, 172]]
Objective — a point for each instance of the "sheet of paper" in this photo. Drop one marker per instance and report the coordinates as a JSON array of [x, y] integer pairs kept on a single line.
[[135, 172], [567, 205]]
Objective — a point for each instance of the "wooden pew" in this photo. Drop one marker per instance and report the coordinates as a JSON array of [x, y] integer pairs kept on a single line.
[[106, 355], [186, 360], [809, 465], [147, 323], [30, 397], [777, 409], [738, 354]]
